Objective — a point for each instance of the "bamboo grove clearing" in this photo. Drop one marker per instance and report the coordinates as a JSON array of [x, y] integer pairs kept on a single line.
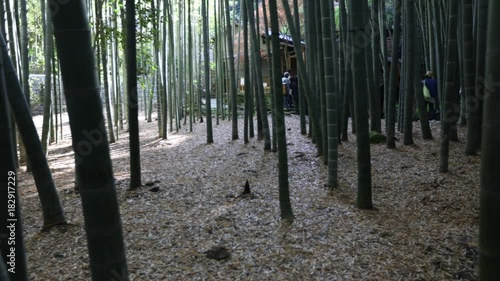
[[249, 140]]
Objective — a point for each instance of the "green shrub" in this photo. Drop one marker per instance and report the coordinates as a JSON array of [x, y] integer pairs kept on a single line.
[[376, 137]]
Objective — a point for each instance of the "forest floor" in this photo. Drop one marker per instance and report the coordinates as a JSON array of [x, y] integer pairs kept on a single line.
[[424, 225]]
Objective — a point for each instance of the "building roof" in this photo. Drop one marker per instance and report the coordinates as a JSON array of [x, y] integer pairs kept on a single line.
[[284, 38]]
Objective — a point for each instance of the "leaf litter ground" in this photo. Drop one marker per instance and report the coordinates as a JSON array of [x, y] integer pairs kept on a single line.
[[188, 221]]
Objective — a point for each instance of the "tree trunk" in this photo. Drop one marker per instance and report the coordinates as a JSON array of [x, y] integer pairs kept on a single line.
[[386, 74], [206, 62], [218, 63], [164, 115], [375, 109], [104, 58], [190, 69], [328, 20], [135, 153], [418, 88], [94, 167], [437, 23], [180, 57], [489, 215], [450, 87], [172, 92], [393, 92], [364, 199], [2, 19], [259, 95], [47, 100], [11, 215], [474, 74], [347, 110], [246, 66], [409, 75], [115, 58], [320, 68], [274, 144], [55, 106], [255, 44], [24, 51], [284, 193], [13, 37], [314, 72], [156, 74]]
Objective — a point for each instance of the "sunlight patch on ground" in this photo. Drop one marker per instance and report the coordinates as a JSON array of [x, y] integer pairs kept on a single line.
[[172, 140]]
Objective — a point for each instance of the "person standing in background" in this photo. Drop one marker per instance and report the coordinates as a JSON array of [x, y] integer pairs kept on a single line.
[[433, 102], [285, 80]]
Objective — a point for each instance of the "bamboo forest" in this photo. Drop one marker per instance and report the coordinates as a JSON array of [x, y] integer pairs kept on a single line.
[[249, 140]]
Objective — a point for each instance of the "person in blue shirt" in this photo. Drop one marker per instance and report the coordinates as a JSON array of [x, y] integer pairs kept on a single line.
[[433, 102]]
